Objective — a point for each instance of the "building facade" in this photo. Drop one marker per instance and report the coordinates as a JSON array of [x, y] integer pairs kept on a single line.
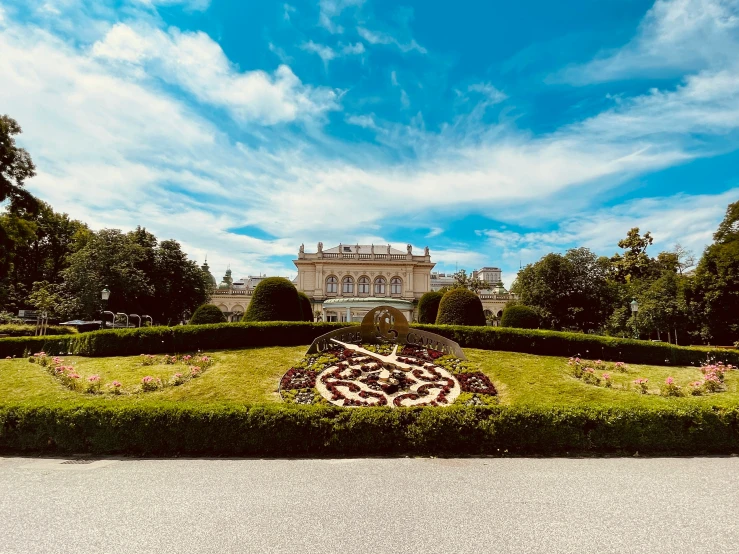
[[346, 281]]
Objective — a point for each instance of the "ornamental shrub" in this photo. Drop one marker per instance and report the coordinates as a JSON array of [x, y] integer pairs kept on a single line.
[[519, 316], [460, 307], [428, 307], [207, 313], [306, 308], [274, 299]]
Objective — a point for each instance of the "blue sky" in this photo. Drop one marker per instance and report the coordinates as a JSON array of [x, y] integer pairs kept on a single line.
[[493, 132]]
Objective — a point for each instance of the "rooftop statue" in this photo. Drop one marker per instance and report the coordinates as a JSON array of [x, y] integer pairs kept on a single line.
[[320, 247], [410, 249], [302, 248]]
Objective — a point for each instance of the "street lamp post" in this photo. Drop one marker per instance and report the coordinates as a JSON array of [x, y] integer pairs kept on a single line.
[[104, 295], [635, 310]]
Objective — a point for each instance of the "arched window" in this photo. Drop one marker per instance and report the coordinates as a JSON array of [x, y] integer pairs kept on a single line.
[[380, 285], [363, 285], [488, 314], [347, 285], [396, 285], [332, 284]]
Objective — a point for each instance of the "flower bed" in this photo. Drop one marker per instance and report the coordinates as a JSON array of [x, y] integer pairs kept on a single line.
[[417, 376], [193, 367], [713, 378]]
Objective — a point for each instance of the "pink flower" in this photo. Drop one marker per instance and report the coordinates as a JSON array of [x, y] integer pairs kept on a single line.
[[669, 380], [93, 378], [606, 376], [178, 375], [116, 384], [147, 379]]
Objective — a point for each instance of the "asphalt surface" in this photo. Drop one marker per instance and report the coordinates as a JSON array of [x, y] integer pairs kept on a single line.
[[370, 505]]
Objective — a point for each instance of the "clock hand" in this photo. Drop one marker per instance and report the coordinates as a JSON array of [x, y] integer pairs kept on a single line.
[[392, 359]]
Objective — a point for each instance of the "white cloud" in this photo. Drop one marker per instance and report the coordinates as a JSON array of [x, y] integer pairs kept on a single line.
[[434, 232], [331, 9], [324, 52], [196, 5], [379, 37], [675, 35], [196, 63], [366, 121], [287, 10], [493, 95], [688, 219], [352, 49]]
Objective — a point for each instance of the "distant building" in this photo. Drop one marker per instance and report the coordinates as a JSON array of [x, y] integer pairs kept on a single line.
[[346, 281]]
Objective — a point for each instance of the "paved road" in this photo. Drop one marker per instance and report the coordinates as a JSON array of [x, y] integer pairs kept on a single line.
[[370, 505]]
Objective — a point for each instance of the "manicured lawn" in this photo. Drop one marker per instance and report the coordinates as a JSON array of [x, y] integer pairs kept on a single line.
[[251, 376]]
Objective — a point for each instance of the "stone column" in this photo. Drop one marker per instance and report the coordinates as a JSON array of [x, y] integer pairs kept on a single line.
[[348, 314]]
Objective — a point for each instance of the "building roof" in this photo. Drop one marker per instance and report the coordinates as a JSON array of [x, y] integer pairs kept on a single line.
[[363, 249]]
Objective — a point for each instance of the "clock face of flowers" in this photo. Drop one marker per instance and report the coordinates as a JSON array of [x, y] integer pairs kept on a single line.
[[375, 375]]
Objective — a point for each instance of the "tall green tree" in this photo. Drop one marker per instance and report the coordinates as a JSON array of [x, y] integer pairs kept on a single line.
[[567, 291], [108, 259], [634, 262], [15, 167], [716, 292]]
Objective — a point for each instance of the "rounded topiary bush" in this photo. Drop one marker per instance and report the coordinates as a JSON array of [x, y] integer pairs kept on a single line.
[[519, 316], [460, 307], [207, 313], [428, 307], [306, 308], [274, 299]]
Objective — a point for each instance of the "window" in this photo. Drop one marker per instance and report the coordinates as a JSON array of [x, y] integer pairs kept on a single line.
[[363, 285], [332, 285], [347, 249], [347, 285], [380, 285], [396, 285], [331, 318]]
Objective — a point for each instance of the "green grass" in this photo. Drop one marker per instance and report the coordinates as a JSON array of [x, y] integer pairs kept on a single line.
[[251, 376]]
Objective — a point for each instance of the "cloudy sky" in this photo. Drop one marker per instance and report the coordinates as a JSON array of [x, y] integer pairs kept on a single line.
[[493, 132]]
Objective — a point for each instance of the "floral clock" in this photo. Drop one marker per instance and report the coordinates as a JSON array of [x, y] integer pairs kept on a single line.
[[355, 375]]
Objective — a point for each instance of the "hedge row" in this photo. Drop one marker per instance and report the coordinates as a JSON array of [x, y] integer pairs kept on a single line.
[[160, 340], [22, 330], [188, 338], [555, 343], [166, 430]]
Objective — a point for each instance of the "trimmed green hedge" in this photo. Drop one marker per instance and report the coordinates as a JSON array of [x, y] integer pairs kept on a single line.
[[188, 338], [30, 330], [162, 340], [186, 429], [556, 343]]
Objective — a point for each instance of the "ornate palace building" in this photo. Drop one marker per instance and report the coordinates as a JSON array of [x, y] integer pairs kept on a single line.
[[346, 281]]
